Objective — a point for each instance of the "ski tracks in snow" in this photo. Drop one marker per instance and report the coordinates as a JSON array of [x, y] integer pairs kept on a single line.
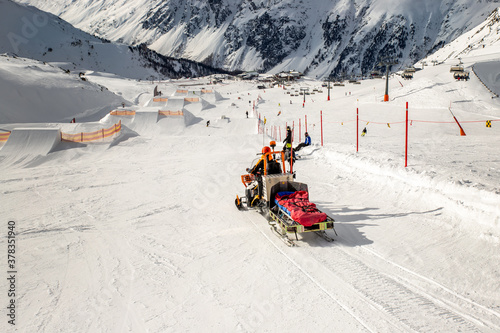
[[378, 293], [379, 298]]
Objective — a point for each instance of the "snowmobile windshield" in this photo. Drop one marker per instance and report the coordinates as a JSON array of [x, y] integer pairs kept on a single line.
[[254, 162]]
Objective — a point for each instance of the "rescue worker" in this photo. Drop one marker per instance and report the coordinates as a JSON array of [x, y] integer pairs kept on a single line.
[[273, 166], [258, 168]]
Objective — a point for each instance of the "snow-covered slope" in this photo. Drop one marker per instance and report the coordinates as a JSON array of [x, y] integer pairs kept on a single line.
[[142, 234], [34, 34], [477, 50], [32, 91], [316, 37]]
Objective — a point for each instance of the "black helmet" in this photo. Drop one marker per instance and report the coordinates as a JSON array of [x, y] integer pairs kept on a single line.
[[288, 128]]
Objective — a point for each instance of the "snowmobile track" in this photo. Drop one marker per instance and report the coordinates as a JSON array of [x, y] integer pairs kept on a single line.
[[397, 299], [310, 277], [388, 293]]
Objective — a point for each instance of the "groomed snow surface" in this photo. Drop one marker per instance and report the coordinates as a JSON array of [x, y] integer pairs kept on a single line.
[[140, 234]]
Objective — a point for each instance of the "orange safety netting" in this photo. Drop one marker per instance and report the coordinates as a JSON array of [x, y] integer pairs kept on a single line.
[[122, 113], [191, 99], [181, 91], [170, 113], [4, 136], [92, 136], [206, 91], [160, 99]]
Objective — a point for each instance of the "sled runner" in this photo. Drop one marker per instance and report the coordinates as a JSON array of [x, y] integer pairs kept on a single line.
[[283, 201]]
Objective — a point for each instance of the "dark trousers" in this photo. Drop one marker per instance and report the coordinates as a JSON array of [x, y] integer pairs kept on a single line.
[[300, 146]]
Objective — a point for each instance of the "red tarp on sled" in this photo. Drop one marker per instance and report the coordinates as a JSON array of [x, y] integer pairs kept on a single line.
[[299, 207]]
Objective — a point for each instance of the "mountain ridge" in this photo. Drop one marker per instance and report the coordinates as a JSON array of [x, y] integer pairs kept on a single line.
[[38, 35], [320, 39]]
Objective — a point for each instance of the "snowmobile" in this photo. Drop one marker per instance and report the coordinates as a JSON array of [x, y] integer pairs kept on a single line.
[[274, 193]]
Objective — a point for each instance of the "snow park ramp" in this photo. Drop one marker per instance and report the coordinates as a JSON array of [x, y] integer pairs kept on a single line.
[[125, 116], [144, 122], [157, 102], [197, 104], [26, 143], [174, 104], [211, 95], [171, 122]]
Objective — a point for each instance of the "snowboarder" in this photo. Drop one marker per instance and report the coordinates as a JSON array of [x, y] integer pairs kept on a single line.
[[247, 113], [279, 113], [208, 123], [307, 142], [363, 133]]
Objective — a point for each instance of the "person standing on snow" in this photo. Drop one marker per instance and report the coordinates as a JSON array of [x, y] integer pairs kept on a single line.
[[288, 139], [307, 142], [288, 144]]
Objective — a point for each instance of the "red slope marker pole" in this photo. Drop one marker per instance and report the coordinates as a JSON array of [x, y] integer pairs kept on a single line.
[[357, 130], [406, 140], [321, 116], [300, 136], [462, 133]]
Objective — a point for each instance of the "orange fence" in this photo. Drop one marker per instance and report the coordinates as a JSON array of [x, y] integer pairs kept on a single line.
[[206, 91], [132, 113], [181, 91], [4, 136], [92, 136], [192, 99], [122, 113], [160, 99], [170, 113]]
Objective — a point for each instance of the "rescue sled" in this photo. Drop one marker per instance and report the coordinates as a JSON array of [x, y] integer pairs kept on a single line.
[[283, 201]]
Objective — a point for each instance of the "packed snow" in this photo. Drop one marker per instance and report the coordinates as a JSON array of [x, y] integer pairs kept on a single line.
[[140, 233]]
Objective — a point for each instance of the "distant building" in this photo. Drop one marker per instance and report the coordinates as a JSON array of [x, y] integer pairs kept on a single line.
[[248, 75], [289, 76]]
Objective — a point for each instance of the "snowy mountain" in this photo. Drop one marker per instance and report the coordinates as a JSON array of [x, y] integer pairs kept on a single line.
[[57, 95], [478, 44], [31, 33], [141, 234], [138, 232], [317, 37]]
